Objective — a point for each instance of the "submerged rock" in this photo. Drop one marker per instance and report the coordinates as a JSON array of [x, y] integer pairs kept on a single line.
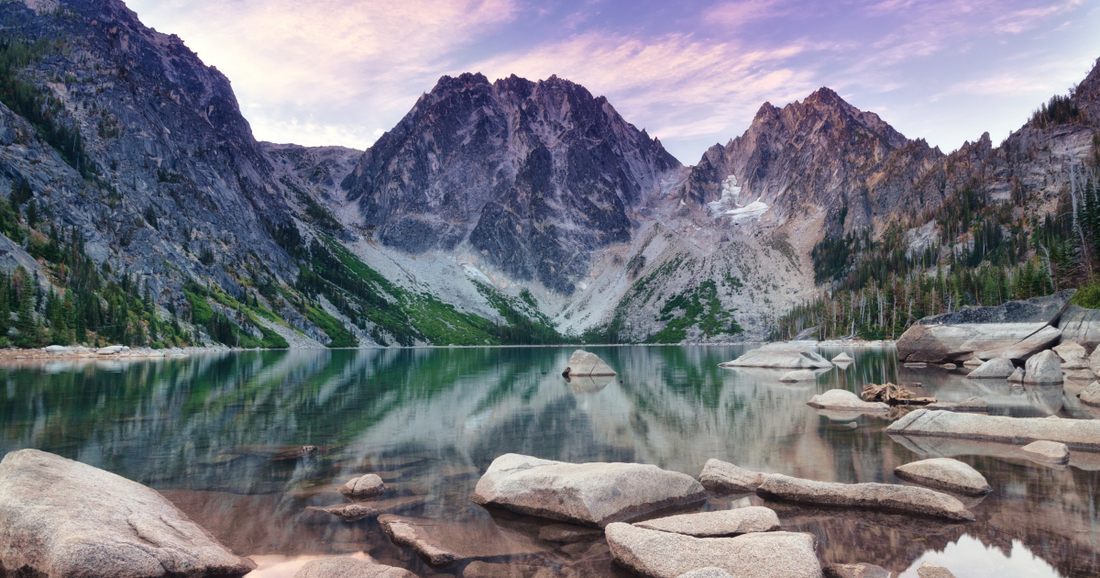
[[862, 570], [1077, 433], [348, 567], [1044, 368], [780, 355], [945, 474], [583, 364], [758, 555], [724, 477], [717, 523], [839, 399], [593, 494], [441, 543], [798, 376], [996, 368], [884, 497], [568, 533], [62, 518], [364, 487], [1047, 452]]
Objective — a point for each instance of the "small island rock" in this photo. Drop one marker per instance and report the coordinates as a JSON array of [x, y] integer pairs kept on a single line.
[[780, 355], [945, 474], [583, 363], [1047, 452], [839, 399]]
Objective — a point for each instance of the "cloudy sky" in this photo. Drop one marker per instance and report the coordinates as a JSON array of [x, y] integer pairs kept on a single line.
[[693, 73]]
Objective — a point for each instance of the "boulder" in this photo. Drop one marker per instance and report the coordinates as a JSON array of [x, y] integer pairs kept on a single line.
[[1091, 394], [441, 543], [1047, 452], [592, 494], [931, 570], [956, 343], [843, 358], [63, 518], [109, 350], [892, 498], [996, 368], [1043, 368], [798, 375], [57, 350], [945, 474], [839, 399], [781, 355], [973, 363], [354, 512], [364, 487], [1076, 433], [1081, 325], [1094, 361], [348, 567], [1072, 355], [583, 364], [1017, 376], [758, 555], [1046, 309], [708, 572], [862, 570], [717, 523], [724, 477]]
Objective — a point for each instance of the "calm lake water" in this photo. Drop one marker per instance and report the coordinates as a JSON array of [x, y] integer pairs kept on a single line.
[[225, 436]]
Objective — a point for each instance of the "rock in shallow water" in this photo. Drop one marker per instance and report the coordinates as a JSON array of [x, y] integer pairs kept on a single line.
[[1043, 368], [441, 543], [839, 399], [931, 570], [63, 518], [781, 355], [364, 487], [1091, 394], [348, 567], [1077, 433], [759, 555], [724, 477], [945, 474], [1047, 452], [797, 376], [717, 523], [583, 363], [884, 497], [593, 494]]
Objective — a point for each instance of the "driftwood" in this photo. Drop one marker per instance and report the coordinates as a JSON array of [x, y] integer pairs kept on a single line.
[[893, 394]]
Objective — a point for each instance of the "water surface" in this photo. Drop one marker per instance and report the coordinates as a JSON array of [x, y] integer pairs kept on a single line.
[[245, 442]]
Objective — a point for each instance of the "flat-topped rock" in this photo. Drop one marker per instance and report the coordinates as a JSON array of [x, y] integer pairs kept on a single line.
[[1043, 368], [348, 567], [758, 555], [781, 355], [932, 570], [1091, 394], [954, 343], [1047, 452], [364, 487], [843, 400], [592, 494], [885, 497], [799, 375], [945, 474], [1044, 309], [717, 523], [586, 364], [996, 368], [724, 477], [62, 518], [861, 570], [1076, 433], [441, 543]]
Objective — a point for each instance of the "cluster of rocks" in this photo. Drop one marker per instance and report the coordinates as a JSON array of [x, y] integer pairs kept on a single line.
[[801, 357]]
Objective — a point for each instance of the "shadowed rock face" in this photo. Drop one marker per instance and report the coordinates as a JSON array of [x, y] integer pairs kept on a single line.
[[533, 175]]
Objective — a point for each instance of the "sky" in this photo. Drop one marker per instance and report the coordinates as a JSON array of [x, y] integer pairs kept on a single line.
[[692, 73]]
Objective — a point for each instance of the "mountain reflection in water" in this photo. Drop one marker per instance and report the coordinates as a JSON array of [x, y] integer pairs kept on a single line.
[[245, 442]]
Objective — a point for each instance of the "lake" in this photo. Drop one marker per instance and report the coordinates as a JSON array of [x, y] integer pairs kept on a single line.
[[244, 442]]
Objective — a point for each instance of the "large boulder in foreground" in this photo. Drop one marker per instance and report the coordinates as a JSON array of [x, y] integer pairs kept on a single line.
[[1080, 434], [348, 567], [759, 555], [585, 364], [1047, 309], [954, 343], [945, 474], [884, 497], [781, 355], [717, 523], [62, 518], [592, 494], [1043, 368], [726, 478]]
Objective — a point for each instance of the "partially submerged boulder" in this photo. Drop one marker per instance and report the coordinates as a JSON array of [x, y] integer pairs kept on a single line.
[[1047, 452], [843, 358], [348, 567], [62, 518], [954, 343], [884, 497], [724, 477], [364, 487], [1044, 368], [996, 368], [839, 399], [1076, 433], [758, 555], [717, 523], [945, 474], [441, 543], [592, 494], [781, 355], [584, 363], [1091, 394]]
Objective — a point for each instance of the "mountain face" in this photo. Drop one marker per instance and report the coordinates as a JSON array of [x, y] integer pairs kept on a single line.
[[533, 175]]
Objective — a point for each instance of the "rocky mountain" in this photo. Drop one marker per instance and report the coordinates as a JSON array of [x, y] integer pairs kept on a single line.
[[533, 175]]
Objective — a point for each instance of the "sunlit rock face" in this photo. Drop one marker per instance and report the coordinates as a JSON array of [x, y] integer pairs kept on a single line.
[[533, 175]]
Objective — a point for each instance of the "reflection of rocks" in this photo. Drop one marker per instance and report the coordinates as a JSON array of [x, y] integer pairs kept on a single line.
[[364, 487], [441, 543], [781, 355], [347, 567], [717, 523], [724, 477], [884, 497], [593, 494], [65, 518], [945, 474], [758, 555], [594, 384], [842, 400], [585, 364], [1078, 434], [1046, 452]]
